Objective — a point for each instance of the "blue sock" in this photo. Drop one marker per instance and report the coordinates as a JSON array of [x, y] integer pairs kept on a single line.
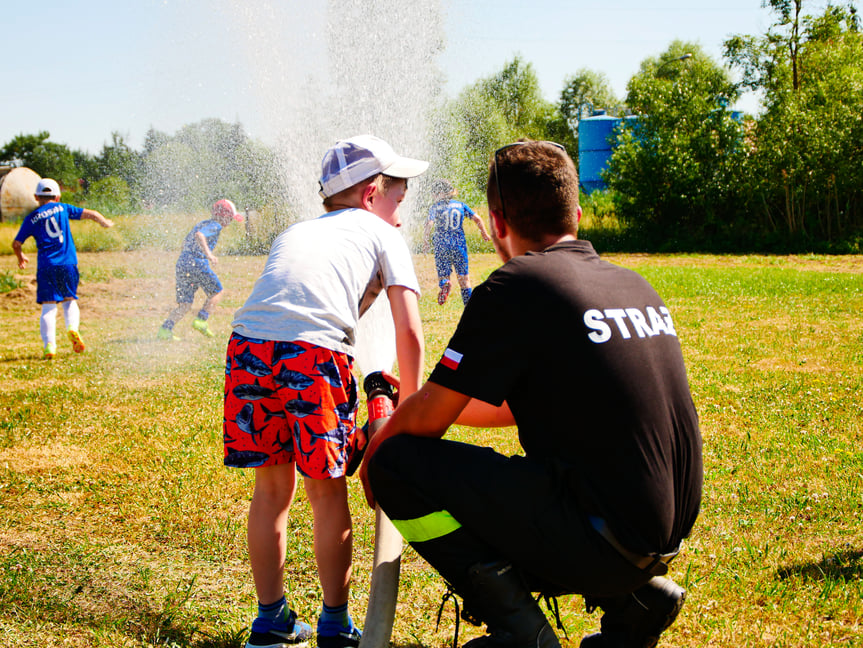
[[168, 324], [465, 295], [203, 315], [334, 620], [276, 612]]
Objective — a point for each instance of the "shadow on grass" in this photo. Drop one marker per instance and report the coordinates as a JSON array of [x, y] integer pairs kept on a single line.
[[846, 565]]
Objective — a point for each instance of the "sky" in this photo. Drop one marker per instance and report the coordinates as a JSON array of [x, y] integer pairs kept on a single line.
[[84, 70]]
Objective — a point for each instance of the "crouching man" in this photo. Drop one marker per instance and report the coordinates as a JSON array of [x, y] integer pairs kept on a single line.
[[583, 357]]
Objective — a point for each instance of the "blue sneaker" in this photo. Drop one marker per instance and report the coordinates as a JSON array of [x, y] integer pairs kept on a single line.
[[266, 634], [341, 640]]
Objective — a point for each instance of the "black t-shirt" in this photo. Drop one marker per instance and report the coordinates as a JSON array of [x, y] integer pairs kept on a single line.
[[586, 355]]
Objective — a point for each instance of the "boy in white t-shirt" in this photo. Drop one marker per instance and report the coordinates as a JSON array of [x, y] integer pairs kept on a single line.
[[290, 394]]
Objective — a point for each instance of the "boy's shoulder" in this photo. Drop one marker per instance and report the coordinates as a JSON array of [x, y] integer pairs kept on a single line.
[[207, 223]]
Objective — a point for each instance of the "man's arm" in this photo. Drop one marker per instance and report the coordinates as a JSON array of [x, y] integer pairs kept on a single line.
[[428, 412], [202, 241], [93, 215], [478, 413], [22, 258], [410, 349]]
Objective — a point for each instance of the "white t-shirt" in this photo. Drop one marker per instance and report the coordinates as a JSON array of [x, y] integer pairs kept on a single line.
[[321, 275]]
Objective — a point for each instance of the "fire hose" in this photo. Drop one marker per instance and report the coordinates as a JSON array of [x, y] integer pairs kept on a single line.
[[383, 591]]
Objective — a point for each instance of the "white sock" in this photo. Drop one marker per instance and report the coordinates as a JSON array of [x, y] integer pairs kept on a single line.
[[71, 314], [48, 324]]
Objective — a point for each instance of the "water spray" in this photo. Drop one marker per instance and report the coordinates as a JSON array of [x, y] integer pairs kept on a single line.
[[383, 591]]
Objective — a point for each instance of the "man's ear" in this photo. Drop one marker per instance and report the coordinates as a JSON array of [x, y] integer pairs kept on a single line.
[[498, 224], [578, 217]]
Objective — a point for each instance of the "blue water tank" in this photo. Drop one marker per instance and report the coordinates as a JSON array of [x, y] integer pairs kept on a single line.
[[596, 141]]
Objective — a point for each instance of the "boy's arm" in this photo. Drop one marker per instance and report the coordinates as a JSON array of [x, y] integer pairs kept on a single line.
[[409, 338], [482, 230], [202, 241], [22, 258], [427, 234], [93, 215]]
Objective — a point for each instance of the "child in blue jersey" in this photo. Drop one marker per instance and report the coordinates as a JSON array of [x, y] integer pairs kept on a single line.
[[446, 217], [56, 261], [193, 271]]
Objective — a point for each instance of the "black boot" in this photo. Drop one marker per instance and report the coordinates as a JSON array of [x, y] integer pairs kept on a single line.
[[636, 620], [513, 618]]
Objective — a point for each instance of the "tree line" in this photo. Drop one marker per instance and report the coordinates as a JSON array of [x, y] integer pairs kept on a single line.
[[686, 173], [187, 171]]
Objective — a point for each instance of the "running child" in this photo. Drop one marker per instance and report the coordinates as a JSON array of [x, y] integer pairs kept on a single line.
[[193, 271], [290, 393], [56, 262], [446, 217]]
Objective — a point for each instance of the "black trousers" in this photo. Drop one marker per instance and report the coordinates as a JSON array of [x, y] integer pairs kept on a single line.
[[509, 508]]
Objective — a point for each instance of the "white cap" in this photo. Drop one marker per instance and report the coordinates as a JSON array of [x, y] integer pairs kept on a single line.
[[353, 160], [47, 187]]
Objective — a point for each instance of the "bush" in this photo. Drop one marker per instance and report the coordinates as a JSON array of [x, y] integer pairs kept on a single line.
[[9, 282]]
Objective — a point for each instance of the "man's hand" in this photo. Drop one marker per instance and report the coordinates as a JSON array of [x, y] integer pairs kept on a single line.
[[23, 261], [426, 413]]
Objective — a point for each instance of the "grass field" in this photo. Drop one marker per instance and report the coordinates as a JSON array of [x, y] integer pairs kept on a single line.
[[120, 527]]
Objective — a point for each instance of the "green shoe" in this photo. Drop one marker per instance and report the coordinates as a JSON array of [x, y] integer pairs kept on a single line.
[[166, 334], [50, 351], [77, 342], [202, 327]]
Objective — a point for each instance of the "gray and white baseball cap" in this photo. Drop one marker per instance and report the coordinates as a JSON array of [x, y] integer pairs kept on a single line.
[[353, 160]]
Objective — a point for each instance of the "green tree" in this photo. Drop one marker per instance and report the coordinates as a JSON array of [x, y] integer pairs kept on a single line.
[[805, 173], [118, 159], [674, 171], [492, 112], [204, 162], [110, 195], [48, 159], [586, 89]]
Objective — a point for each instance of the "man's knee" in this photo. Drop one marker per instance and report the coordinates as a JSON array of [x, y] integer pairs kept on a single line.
[[381, 463]]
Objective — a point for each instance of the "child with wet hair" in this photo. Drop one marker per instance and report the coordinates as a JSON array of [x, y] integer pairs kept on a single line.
[[193, 271], [446, 217]]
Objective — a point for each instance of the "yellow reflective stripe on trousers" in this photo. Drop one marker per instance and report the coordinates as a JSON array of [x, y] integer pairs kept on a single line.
[[428, 527]]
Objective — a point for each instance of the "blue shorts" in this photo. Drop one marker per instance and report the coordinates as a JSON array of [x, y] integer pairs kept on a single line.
[[447, 258], [194, 275], [56, 283]]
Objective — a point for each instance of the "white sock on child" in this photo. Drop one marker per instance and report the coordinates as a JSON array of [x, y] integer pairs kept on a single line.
[[48, 324], [71, 314]]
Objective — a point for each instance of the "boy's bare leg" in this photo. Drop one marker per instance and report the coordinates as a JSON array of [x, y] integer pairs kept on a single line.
[[464, 283], [179, 312], [212, 302], [267, 528], [333, 536]]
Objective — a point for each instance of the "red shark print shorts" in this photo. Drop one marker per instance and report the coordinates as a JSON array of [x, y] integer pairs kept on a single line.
[[289, 401]]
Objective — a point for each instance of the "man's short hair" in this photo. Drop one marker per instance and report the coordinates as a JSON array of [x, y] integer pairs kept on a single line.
[[535, 187]]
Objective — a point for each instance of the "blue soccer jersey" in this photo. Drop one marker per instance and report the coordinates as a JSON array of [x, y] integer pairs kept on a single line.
[[448, 217], [192, 251], [48, 224]]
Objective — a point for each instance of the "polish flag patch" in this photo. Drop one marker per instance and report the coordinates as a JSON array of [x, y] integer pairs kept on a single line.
[[451, 359]]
